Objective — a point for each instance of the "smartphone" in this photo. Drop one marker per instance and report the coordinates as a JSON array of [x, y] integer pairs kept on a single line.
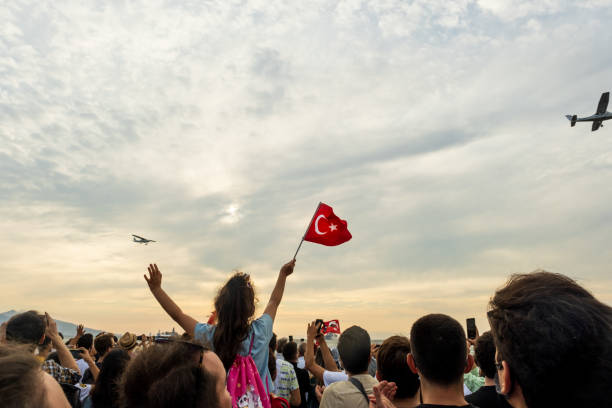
[[471, 327], [76, 354], [321, 324]]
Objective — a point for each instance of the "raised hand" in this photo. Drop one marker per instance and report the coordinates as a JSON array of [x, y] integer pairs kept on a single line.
[[80, 331], [380, 398], [287, 268], [155, 277], [312, 331], [3, 333], [51, 329]]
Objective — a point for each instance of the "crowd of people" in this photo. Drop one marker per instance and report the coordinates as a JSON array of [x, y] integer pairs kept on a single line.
[[550, 345]]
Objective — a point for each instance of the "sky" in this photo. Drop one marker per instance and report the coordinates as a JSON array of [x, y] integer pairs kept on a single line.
[[435, 128]]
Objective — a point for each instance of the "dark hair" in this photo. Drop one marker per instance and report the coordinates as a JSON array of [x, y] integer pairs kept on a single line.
[[271, 359], [27, 327], [103, 343], [168, 375], [235, 306], [85, 340], [485, 354], [555, 337], [354, 349], [393, 367], [290, 351], [54, 357], [21, 383], [439, 349], [281, 343], [105, 393]]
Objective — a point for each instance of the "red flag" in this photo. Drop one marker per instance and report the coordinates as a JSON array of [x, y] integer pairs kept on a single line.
[[333, 326], [326, 228]]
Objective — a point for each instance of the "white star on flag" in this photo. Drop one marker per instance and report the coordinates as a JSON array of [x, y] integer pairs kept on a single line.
[[333, 227]]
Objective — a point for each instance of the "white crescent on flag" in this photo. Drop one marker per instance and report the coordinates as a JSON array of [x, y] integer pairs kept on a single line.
[[317, 230]]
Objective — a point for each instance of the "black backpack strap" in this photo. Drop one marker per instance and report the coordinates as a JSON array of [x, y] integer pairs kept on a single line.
[[359, 386]]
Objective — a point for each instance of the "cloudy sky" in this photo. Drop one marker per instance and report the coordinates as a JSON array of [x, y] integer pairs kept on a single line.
[[435, 128]]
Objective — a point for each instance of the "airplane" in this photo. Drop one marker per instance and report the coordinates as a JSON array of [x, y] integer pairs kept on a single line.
[[600, 115], [142, 240]]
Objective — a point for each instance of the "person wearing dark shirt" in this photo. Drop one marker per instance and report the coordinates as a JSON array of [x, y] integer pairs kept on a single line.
[[486, 396], [438, 354], [290, 353]]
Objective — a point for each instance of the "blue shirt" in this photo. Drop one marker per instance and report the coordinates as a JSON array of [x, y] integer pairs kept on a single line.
[[261, 332]]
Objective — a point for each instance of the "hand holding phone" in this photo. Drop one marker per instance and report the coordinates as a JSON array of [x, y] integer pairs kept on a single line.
[[472, 331]]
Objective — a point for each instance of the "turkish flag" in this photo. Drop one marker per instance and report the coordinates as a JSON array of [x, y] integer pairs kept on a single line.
[[326, 228], [333, 326]]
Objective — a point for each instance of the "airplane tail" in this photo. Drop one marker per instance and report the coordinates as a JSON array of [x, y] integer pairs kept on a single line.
[[572, 119]]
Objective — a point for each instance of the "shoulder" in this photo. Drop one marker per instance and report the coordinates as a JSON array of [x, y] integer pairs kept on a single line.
[[264, 320], [203, 331]]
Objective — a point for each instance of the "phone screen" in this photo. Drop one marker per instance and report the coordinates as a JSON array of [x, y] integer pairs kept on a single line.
[[471, 327]]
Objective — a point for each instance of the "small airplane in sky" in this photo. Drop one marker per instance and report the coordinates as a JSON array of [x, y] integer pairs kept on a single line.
[[599, 116], [142, 240]]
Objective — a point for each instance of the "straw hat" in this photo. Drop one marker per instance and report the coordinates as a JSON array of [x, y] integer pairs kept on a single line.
[[128, 341]]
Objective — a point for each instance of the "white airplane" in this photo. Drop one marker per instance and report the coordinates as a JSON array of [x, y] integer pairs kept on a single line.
[[599, 116], [142, 240]]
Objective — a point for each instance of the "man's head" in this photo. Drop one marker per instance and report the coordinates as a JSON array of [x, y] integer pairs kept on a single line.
[[354, 349], [553, 342], [86, 341], [439, 350], [103, 344], [27, 328], [302, 349], [392, 366], [290, 352], [280, 343], [485, 354]]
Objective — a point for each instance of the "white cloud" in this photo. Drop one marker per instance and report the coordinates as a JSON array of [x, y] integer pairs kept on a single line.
[[435, 128]]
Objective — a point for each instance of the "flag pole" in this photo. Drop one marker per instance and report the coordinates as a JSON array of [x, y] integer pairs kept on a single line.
[[309, 224]]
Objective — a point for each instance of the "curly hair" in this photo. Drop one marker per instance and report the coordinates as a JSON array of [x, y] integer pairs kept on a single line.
[[235, 307]]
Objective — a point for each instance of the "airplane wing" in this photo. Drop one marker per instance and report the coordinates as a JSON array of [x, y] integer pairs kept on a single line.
[[603, 104], [136, 236], [596, 125]]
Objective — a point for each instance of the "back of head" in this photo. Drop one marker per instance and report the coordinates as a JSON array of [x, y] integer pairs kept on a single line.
[[290, 351], [105, 393], [168, 375], [302, 349], [280, 344], [485, 354], [354, 349], [21, 383], [393, 367], [103, 343], [27, 328], [235, 306], [85, 340], [439, 348], [556, 338]]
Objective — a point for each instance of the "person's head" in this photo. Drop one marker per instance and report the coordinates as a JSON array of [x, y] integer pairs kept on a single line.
[[485, 354], [45, 347], [354, 349], [290, 351], [22, 382], [235, 306], [105, 393], [85, 341], [26, 328], [553, 342], [128, 342], [439, 350], [103, 344], [393, 367], [176, 374], [280, 344], [302, 349]]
